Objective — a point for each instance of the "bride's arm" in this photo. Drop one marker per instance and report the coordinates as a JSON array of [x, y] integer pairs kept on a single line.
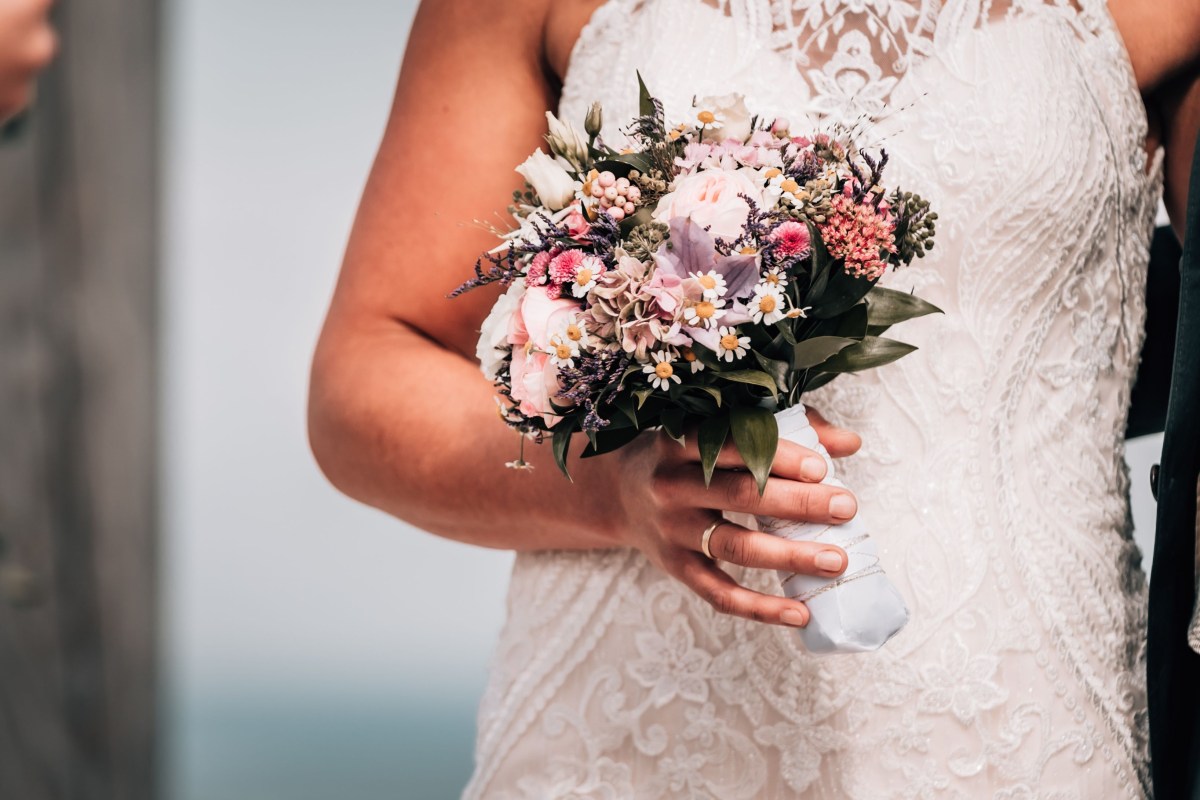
[[400, 416]]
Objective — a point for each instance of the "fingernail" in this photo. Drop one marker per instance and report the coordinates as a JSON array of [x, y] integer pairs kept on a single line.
[[828, 561], [793, 616], [812, 469], [841, 507]]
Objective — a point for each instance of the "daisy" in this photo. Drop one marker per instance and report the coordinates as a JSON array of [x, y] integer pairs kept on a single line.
[[662, 371], [704, 314], [731, 346], [712, 284], [575, 331], [563, 351], [775, 277], [766, 306], [585, 276], [689, 356]]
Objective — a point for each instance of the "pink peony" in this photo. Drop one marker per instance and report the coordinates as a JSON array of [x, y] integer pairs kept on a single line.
[[534, 378], [712, 199], [791, 239]]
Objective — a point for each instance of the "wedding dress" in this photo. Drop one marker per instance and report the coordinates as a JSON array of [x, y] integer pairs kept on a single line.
[[991, 473]]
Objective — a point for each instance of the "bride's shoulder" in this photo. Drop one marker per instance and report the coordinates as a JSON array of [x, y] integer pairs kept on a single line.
[[565, 20]]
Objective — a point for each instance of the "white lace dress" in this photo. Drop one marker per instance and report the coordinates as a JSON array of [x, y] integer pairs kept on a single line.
[[992, 469]]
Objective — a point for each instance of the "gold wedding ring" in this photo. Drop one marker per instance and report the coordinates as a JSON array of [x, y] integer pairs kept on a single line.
[[708, 532]]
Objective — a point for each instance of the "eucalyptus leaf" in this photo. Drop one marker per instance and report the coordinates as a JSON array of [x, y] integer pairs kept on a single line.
[[711, 438], [753, 377], [756, 435], [873, 351], [889, 307], [817, 350]]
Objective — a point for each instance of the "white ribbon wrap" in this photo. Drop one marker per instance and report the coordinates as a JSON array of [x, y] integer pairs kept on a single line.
[[857, 611]]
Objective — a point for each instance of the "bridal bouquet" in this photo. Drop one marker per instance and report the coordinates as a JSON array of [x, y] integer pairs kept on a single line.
[[705, 278]]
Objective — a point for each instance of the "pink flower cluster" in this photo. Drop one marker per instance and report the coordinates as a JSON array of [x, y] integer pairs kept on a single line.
[[861, 234], [559, 268]]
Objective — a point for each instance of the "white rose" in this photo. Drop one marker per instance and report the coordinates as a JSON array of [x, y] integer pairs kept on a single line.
[[711, 198], [493, 334], [550, 180], [733, 118]]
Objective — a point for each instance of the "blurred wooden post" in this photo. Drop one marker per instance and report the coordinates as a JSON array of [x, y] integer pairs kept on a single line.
[[78, 612]]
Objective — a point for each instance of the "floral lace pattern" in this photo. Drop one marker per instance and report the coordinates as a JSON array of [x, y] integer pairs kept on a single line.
[[995, 455]]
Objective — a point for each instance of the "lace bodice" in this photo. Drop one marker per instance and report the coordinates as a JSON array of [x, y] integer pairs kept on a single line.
[[992, 469]]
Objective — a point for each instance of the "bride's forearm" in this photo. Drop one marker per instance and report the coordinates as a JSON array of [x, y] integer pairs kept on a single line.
[[403, 424]]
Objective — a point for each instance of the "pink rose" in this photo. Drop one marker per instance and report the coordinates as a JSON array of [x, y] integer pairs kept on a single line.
[[577, 224], [711, 199], [534, 378]]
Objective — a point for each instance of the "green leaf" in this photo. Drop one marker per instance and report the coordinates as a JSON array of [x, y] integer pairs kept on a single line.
[[889, 307], [843, 291], [622, 163], [645, 99], [625, 405], [711, 438], [606, 441], [713, 391], [872, 351], [822, 264], [672, 422], [641, 395], [778, 370], [853, 324], [756, 435], [817, 350], [560, 444], [753, 377], [817, 380]]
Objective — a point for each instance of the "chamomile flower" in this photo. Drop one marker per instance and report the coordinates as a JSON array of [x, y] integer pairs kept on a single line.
[[585, 276], [776, 277], [689, 357], [575, 331], [767, 305], [731, 346], [712, 284], [662, 371], [704, 313], [710, 117], [563, 351]]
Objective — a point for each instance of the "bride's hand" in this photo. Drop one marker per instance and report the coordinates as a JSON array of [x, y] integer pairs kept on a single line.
[[666, 508]]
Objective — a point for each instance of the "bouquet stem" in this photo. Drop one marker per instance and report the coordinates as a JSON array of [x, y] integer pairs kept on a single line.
[[859, 610]]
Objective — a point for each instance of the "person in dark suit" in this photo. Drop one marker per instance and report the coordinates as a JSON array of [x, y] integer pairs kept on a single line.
[[1173, 639]]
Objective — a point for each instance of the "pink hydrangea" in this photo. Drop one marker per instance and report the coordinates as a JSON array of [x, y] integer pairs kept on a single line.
[[792, 239], [860, 234]]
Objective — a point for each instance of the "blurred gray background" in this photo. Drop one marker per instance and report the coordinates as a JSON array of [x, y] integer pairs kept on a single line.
[[314, 648]]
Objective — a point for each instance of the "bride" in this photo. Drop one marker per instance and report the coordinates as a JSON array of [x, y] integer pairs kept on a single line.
[[990, 467]]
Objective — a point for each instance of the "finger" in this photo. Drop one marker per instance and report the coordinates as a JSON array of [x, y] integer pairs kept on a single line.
[[723, 593], [738, 545], [838, 441], [783, 498], [791, 460]]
